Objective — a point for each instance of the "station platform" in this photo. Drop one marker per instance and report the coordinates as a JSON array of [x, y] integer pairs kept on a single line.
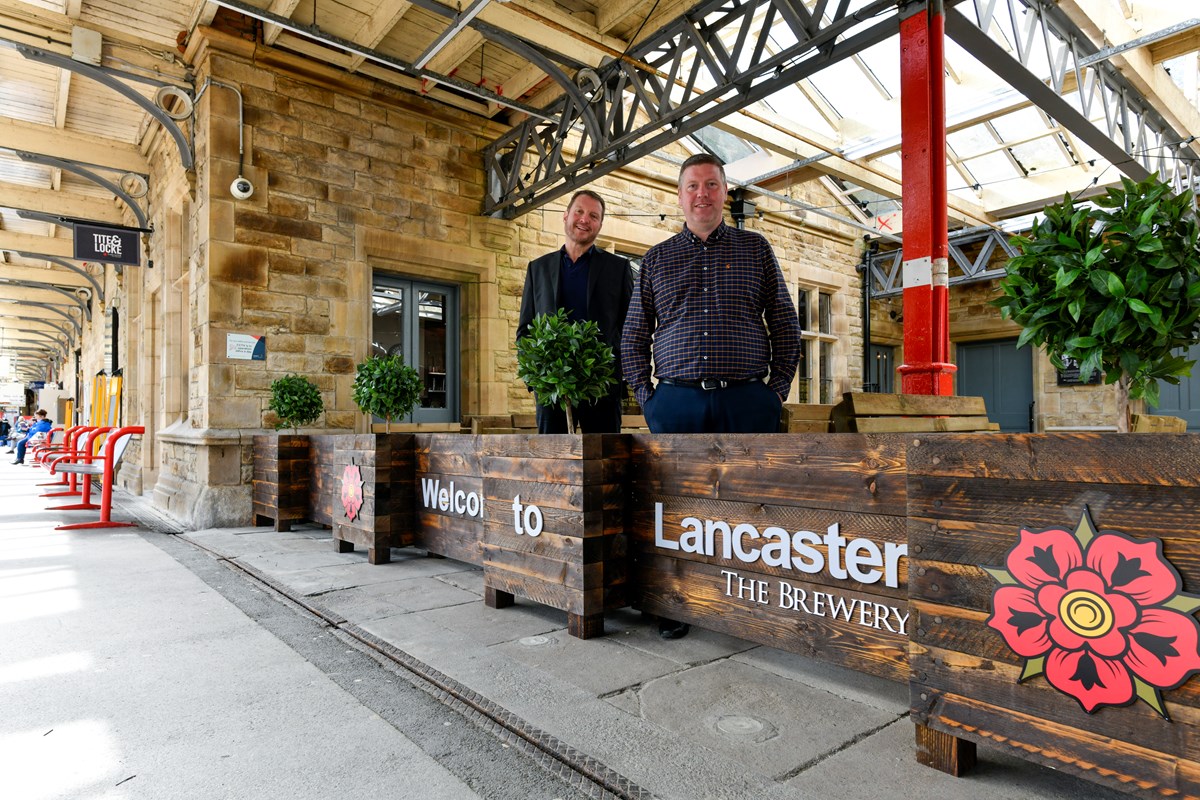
[[153, 662]]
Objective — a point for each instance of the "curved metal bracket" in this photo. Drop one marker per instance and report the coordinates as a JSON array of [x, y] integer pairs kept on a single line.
[[49, 287], [67, 265], [110, 80], [59, 348], [50, 307], [43, 334], [586, 113], [60, 328], [84, 172]]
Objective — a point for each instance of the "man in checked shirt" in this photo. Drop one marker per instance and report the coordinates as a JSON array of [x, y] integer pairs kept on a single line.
[[713, 311]]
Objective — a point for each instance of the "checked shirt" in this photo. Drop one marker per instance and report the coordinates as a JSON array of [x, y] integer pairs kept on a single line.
[[714, 309]]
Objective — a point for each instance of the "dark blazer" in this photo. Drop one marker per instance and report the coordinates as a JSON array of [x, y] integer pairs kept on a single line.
[[610, 289]]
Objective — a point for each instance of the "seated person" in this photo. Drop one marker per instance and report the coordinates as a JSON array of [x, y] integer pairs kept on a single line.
[[20, 428], [42, 426]]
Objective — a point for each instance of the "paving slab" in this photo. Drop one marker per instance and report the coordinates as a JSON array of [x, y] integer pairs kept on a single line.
[[396, 597], [756, 718], [489, 626], [170, 692]]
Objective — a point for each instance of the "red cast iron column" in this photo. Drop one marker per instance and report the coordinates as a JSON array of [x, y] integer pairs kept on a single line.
[[926, 368]]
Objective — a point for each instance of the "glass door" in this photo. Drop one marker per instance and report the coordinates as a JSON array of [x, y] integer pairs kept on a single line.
[[418, 321]]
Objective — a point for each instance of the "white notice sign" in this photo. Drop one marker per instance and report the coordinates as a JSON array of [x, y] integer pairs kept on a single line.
[[245, 347]]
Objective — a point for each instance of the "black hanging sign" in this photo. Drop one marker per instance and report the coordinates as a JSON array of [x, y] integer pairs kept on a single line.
[[110, 245]]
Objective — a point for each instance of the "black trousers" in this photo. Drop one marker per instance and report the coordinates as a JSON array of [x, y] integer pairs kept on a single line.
[[602, 416]]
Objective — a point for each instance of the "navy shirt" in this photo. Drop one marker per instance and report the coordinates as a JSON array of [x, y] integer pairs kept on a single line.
[[573, 285]]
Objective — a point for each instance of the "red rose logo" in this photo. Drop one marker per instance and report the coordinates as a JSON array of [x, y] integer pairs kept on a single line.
[[1101, 614], [352, 493]]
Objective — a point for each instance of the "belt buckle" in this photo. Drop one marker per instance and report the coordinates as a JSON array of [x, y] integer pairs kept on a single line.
[[708, 384]]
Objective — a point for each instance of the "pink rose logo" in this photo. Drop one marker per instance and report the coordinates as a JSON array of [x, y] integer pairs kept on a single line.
[[1101, 614]]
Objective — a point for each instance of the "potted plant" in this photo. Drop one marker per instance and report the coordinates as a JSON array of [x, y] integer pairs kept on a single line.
[[565, 363], [296, 401], [384, 386], [370, 476], [281, 462], [1114, 286]]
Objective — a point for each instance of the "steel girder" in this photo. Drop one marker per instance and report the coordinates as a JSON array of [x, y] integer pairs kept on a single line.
[[1048, 46], [659, 91], [971, 263], [674, 82]]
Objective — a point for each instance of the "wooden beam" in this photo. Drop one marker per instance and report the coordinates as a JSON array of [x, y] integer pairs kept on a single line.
[[28, 243], [47, 141], [280, 8], [557, 32], [56, 275], [36, 295], [379, 25], [456, 52], [47, 201], [611, 12], [1180, 44]]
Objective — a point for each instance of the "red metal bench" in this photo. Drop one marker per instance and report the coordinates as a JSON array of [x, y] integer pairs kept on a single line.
[[105, 465], [73, 444]]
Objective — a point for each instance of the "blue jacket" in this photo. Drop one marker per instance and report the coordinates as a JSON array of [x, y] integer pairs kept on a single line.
[[39, 427]]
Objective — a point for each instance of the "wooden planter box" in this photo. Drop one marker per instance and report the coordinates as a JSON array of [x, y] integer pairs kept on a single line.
[[449, 496], [544, 515], [376, 513], [775, 506], [281, 480], [969, 499]]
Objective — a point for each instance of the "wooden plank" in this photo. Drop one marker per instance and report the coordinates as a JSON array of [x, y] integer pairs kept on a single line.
[[1149, 765], [808, 411], [1126, 766], [1153, 423], [572, 574], [922, 424], [833, 471], [806, 426], [449, 537], [633, 422], [870, 404], [548, 594], [1100, 458], [697, 593]]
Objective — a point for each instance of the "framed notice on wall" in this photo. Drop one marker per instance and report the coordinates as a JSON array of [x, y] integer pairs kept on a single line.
[[1071, 377], [245, 347]]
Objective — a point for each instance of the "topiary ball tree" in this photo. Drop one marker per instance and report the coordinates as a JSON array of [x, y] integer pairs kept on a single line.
[[296, 401], [565, 363], [384, 386], [1115, 287]]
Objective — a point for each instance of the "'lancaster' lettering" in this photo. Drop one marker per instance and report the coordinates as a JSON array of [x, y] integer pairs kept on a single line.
[[858, 559]]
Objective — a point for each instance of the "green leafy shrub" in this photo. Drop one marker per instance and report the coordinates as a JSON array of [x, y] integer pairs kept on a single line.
[[384, 386], [296, 401], [565, 363], [1116, 288]]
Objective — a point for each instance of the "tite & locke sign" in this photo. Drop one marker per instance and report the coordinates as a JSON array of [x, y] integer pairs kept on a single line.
[[110, 245]]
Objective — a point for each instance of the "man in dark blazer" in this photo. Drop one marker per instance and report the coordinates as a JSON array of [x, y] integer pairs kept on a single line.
[[591, 284]]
